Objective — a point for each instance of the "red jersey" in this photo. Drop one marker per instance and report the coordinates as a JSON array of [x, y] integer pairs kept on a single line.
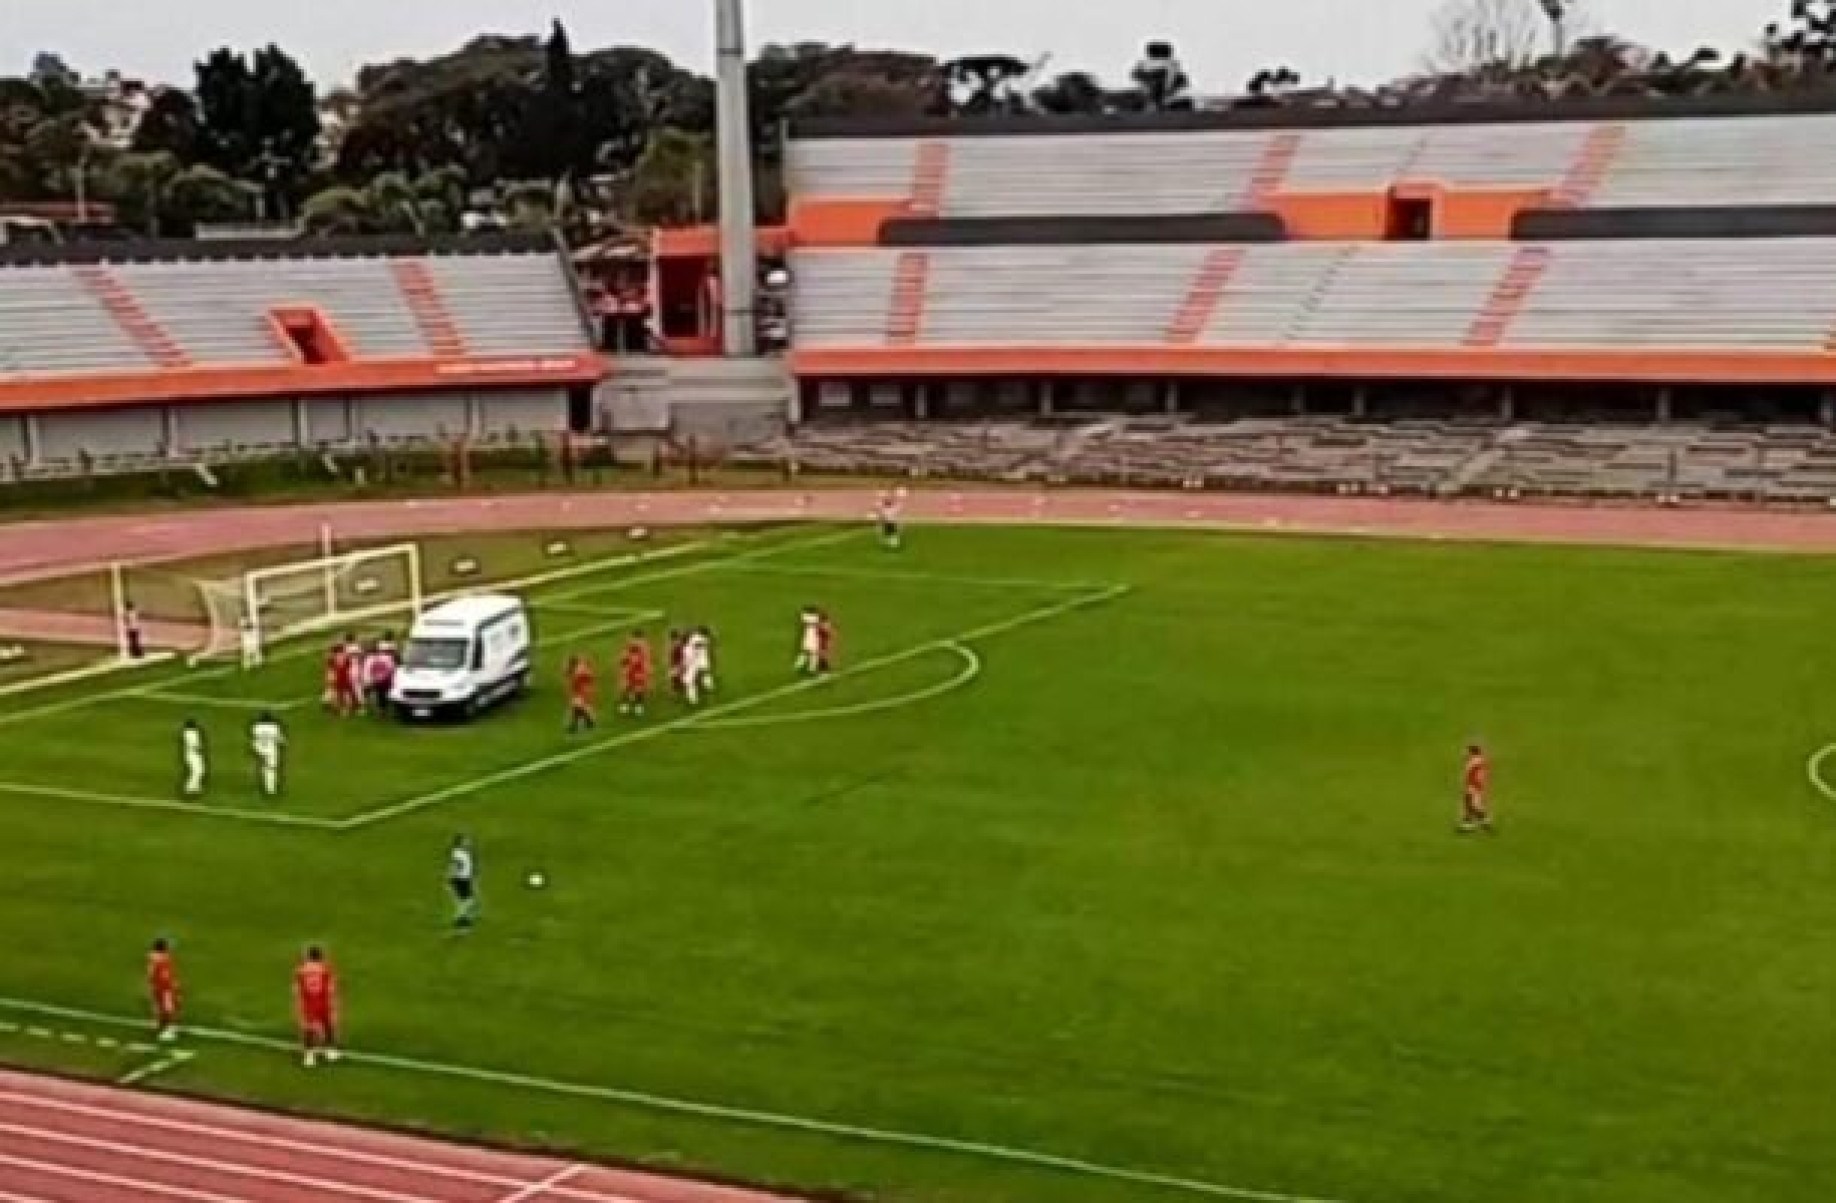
[[315, 987], [1477, 775], [334, 668], [162, 974], [825, 636], [344, 666], [636, 664], [580, 682], [678, 648]]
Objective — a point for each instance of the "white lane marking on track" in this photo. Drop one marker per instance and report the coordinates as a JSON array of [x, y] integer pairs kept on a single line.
[[716, 1111], [535, 1190], [54, 1170], [128, 1117], [212, 1165]]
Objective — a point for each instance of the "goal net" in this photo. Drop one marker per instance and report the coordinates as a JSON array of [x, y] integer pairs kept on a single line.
[[358, 588]]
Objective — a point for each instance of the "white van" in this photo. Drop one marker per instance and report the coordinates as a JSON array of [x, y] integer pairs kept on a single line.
[[463, 656]]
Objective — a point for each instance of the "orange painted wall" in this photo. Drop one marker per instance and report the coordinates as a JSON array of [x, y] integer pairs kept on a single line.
[[832, 222]]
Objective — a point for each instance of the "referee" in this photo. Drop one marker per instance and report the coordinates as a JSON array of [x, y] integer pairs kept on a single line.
[[462, 880]]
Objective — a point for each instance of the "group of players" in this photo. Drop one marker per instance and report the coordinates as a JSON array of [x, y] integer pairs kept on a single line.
[[315, 997], [357, 678], [691, 669]]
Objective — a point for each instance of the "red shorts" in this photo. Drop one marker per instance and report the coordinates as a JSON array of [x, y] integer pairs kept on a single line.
[[637, 684]]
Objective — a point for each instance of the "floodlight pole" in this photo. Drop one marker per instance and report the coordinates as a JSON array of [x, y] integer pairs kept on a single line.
[[738, 246]]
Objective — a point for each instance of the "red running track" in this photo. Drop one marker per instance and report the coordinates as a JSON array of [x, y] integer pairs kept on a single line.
[[64, 1142], [47, 548]]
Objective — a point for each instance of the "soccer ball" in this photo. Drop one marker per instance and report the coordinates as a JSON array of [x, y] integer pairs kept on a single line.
[[536, 881]]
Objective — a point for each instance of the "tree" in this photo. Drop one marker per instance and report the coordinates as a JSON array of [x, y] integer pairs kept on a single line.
[[1075, 93], [141, 187], [337, 210], [1477, 36], [258, 119], [205, 194], [982, 84], [169, 126], [674, 182], [1161, 81]]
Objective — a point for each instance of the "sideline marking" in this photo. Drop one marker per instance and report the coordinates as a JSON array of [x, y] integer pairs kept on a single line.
[[923, 578], [109, 666], [153, 1069], [970, 670], [1813, 768], [714, 1111], [544, 764], [277, 818]]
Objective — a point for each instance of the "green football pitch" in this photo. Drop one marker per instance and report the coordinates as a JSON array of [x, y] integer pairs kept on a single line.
[[1108, 865]]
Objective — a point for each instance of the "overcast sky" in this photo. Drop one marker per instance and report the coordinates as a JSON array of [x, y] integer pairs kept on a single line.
[[1221, 41]]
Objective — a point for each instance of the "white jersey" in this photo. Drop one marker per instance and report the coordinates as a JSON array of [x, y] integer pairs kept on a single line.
[[812, 632], [267, 739], [191, 742]]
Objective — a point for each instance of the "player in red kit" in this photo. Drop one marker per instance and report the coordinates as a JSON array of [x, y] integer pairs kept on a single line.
[[315, 991], [582, 711], [825, 643], [634, 670], [163, 990], [350, 677], [1476, 779], [329, 697]]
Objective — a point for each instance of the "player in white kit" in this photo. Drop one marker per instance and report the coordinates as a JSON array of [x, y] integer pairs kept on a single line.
[[698, 666], [191, 754], [809, 642], [251, 644], [266, 740]]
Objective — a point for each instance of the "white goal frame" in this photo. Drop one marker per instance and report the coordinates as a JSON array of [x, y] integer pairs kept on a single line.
[[324, 574]]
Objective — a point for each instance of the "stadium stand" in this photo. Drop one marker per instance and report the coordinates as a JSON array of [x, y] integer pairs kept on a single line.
[[116, 356], [1617, 298], [1751, 160]]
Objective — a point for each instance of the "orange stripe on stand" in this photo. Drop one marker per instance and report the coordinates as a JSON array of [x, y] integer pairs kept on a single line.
[[1596, 157], [140, 326], [1509, 296], [422, 292], [1207, 289], [930, 177], [905, 314], [1271, 173]]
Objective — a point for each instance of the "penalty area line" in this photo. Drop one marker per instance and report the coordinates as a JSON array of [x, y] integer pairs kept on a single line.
[[970, 669], [531, 768], [720, 1112], [27, 789]]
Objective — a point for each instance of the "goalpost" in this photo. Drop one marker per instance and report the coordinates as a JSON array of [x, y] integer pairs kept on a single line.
[[309, 596]]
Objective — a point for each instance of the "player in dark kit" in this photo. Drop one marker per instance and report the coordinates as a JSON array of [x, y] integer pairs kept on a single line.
[[462, 880], [1475, 784]]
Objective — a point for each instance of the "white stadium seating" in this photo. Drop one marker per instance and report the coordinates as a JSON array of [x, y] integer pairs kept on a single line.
[[1776, 159], [1762, 295]]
